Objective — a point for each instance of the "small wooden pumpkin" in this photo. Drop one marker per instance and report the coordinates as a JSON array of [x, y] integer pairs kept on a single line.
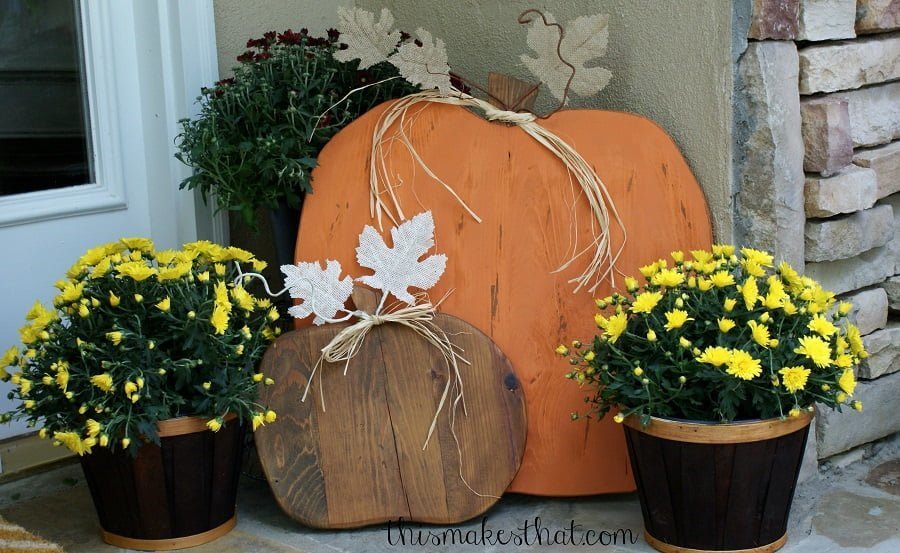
[[502, 269], [360, 461]]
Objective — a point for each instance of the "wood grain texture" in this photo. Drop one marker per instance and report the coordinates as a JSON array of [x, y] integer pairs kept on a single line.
[[183, 488], [360, 461], [716, 496], [501, 270]]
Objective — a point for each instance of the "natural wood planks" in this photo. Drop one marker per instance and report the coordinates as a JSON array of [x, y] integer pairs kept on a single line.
[[360, 461]]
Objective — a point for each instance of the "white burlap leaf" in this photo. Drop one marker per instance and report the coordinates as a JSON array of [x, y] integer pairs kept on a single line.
[[322, 291], [424, 65], [398, 268], [585, 39], [366, 40]]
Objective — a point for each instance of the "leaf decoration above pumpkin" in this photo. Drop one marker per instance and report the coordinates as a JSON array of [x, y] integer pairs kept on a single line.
[[398, 268], [323, 291], [366, 40], [584, 39], [424, 62]]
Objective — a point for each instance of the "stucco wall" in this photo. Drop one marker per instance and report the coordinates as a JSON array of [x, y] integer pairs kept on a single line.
[[671, 61]]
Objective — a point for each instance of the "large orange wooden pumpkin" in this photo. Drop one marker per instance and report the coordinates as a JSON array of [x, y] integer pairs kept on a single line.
[[501, 269]]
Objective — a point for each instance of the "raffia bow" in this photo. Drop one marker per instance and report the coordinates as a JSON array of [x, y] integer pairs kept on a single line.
[[603, 259], [347, 343]]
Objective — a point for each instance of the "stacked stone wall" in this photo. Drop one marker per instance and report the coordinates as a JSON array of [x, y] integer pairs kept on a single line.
[[837, 62]]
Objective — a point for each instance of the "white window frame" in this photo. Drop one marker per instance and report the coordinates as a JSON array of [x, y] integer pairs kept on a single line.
[[107, 193], [188, 62]]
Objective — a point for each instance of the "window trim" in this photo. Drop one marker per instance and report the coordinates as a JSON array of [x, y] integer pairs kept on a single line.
[[107, 193]]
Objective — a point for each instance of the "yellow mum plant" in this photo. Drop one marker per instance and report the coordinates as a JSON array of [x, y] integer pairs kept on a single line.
[[718, 337], [137, 336]]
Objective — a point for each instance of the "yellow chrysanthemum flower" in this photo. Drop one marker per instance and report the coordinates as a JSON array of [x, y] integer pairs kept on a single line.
[[756, 256], [651, 336], [821, 326], [721, 279], [847, 382], [165, 305], [70, 292], [25, 386], [62, 378], [723, 250], [855, 339], [844, 307], [743, 365], [144, 245], [631, 284], [114, 300], [701, 256], [752, 268], [815, 349], [129, 388], [645, 302], [102, 268], [114, 337], [615, 326], [9, 357], [794, 378], [174, 272], [273, 315], [259, 265], [668, 278], [704, 284], [135, 270], [259, 419], [750, 292], [270, 416], [214, 424], [729, 304], [93, 427], [589, 356], [95, 255], [242, 298], [103, 381], [72, 440], [715, 355], [843, 361], [166, 257], [775, 295], [562, 350], [725, 325], [790, 277], [676, 319], [220, 269], [760, 333], [238, 254], [789, 308], [649, 270], [219, 319]]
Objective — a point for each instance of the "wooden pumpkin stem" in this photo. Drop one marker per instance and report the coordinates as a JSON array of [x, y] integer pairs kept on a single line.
[[510, 93]]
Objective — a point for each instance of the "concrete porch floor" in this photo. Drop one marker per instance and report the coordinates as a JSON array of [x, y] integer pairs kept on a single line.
[[854, 505]]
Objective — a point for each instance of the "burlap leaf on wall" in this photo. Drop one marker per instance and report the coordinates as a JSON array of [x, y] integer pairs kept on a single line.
[[585, 39], [323, 291], [366, 40], [424, 65], [398, 268]]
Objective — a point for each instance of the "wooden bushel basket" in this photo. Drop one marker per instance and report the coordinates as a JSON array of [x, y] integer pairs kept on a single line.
[[716, 487], [176, 495]]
